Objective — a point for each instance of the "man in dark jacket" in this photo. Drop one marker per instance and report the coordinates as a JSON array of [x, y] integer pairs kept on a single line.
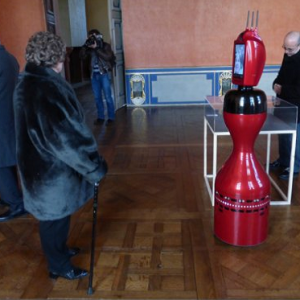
[[101, 63], [9, 190], [287, 87]]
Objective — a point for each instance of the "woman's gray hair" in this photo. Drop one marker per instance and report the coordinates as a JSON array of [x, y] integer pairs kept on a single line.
[[45, 49]]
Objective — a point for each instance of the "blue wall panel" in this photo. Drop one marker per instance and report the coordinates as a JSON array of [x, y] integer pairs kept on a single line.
[[181, 86]]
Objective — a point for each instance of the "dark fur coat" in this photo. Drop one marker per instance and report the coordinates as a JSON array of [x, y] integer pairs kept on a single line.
[[56, 152]]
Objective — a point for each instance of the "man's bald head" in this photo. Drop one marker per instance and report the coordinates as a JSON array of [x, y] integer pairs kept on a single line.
[[291, 43]]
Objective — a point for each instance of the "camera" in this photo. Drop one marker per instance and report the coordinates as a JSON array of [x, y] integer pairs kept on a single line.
[[90, 41]]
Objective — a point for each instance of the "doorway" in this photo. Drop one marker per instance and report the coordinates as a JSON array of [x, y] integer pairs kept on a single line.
[[76, 18]]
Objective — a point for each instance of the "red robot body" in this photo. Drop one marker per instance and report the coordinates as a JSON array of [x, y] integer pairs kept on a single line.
[[242, 187]]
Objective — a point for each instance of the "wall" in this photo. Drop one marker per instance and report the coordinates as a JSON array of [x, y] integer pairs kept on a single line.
[[63, 7], [72, 17], [179, 51], [189, 33], [97, 17], [77, 22], [18, 22]]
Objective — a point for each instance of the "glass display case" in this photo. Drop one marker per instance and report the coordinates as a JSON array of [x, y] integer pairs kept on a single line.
[[281, 119]]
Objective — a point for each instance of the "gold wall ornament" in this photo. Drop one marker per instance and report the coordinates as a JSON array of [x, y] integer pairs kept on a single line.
[[137, 89], [225, 82]]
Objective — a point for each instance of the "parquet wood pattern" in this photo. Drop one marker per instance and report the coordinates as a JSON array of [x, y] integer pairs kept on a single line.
[[155, 223]]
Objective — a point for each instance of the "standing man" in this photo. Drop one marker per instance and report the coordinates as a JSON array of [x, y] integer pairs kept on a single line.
[[102, 61], [287, 87], [9, 189]]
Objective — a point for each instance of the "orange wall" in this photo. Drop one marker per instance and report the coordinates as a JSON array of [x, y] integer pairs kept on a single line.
[[169, 33], [193, 33], [18, 21]]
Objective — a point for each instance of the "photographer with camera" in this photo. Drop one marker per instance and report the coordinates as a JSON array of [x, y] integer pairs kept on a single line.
[[102, 60]]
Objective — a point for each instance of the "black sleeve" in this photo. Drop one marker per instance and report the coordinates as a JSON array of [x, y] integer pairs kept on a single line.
[[65, 135]]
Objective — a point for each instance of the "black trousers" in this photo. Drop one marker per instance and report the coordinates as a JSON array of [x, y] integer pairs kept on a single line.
[[9, 189], [54, 235]]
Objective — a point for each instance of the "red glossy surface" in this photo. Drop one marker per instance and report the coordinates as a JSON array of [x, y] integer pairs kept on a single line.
[[255, 58], [242, 186]]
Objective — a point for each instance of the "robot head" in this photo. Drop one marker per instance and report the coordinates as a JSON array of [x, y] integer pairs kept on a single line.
[[249, 56]]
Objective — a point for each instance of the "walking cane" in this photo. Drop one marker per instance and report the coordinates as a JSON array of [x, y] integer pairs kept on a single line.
[[95, 207]]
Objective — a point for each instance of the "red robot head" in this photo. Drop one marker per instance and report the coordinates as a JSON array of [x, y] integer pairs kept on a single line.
[[249, 56]]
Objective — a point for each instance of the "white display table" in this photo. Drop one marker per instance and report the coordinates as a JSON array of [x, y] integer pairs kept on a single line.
[[281, 119]]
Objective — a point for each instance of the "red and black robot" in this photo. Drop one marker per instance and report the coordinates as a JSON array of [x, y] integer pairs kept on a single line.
[[242, 187]]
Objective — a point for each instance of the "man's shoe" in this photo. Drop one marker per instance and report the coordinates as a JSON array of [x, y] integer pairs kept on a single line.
[[12, 214], [109, 122], [3, 203], [98, 121], [285, 175], [74, 273], [275, 165], [73, 251]]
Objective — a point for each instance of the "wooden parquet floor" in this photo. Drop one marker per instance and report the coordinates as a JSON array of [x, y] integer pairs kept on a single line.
[[155, 235]]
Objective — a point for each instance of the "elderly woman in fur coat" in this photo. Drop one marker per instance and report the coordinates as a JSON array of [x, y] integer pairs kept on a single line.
[[57, 154]]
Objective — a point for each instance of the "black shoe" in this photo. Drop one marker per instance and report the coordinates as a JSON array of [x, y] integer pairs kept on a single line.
[[73, 251], [275, 165], [109, 122], [285, 175], [74, 273], [9, 214], [98, 121], [3, 203]]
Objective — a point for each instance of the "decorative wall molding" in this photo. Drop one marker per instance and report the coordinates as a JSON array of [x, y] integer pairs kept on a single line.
[[182, 86]]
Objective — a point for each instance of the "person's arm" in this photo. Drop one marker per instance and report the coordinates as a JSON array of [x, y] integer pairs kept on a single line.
[[62, 133], [291, 91], [277, 81], [105, 52]]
